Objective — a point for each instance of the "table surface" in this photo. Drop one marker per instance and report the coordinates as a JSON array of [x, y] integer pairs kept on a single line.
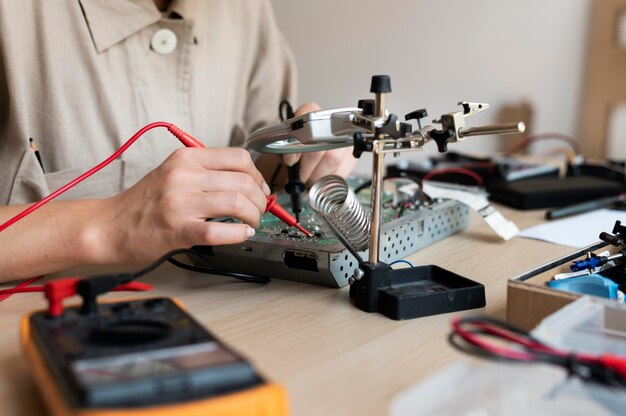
[[332, 357]]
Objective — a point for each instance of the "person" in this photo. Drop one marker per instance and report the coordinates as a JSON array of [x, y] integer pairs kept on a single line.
[[77, 78]]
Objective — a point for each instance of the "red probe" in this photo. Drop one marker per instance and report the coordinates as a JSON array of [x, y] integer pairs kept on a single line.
[[272, 206], [186, 139]]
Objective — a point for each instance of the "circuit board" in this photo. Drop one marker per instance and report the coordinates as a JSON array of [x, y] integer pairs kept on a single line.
[[272, 227], [282, 252]]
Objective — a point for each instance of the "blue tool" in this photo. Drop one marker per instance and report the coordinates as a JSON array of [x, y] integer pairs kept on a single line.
[[596, 261], [588, 285]]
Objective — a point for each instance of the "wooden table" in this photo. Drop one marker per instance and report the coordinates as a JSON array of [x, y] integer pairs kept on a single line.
[[333, 358]]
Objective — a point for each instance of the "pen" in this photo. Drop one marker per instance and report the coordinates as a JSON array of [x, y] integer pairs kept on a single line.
[[35, 150], [584, 207]]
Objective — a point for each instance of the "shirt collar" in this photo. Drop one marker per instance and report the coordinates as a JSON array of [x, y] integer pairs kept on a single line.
[[112, 21], [184, 8]]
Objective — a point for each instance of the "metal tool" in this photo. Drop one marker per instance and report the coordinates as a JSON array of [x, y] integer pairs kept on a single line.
[[332, 197], [372, 128]]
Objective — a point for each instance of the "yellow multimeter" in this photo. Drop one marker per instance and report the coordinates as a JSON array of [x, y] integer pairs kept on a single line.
[[141, 357]]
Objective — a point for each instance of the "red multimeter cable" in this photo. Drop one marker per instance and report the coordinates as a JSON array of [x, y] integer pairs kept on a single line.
[[184, 138], [491, 338], [173, 129]]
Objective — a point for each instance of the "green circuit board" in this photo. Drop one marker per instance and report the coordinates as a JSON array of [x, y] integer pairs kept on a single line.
[[272, 227]]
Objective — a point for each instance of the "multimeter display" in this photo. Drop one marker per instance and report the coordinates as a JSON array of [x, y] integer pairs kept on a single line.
[[137, 354], [156, 375], [159, 363]]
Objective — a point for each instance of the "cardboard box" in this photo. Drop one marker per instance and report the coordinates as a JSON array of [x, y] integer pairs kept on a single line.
[[529, 300]]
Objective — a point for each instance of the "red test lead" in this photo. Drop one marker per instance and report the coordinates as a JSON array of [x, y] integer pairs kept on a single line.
[[272, 206], [280, 212]]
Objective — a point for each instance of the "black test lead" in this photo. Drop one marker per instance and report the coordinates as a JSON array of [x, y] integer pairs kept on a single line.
[[294, 185]]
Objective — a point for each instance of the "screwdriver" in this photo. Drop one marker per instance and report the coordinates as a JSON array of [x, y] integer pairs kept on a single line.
[[272, 206]]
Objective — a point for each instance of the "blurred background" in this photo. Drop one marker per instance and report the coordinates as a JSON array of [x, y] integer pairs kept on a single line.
[[526, 58]]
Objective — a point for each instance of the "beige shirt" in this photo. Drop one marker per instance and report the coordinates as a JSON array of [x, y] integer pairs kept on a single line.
[[80, 77]]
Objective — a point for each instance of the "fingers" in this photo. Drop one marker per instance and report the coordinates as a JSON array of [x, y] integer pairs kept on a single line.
[[234, 182], [224, 204], [333, 162], [308, 164], [215, 233], [307, 108], [221, 159], [293, 158]]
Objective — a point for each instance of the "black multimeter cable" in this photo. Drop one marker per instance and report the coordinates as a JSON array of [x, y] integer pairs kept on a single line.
[[294, 185], [169, 257], [89, 289]]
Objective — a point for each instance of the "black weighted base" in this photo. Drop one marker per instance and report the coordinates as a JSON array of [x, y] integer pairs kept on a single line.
[[414, 292]]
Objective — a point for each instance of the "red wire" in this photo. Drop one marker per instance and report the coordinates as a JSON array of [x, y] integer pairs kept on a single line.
[[544, 136], [9, 292], [4, 294], [20, 286], [487, 346], [461, 171], [533, 346], [515, 338], [84, 176]]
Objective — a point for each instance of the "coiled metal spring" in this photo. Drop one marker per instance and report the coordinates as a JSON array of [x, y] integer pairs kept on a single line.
[[331, 196]]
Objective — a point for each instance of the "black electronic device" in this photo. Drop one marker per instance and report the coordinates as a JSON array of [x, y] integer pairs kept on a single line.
[[146, 356], [520, 184], [551, 192], [490, 169]]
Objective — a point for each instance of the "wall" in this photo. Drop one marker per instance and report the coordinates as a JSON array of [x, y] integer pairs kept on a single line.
[[441, 52]]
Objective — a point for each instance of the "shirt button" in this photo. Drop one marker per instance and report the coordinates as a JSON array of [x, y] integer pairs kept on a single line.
[[163, 41]]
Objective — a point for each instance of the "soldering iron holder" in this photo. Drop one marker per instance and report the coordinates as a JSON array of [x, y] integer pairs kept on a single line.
[[414, 292]]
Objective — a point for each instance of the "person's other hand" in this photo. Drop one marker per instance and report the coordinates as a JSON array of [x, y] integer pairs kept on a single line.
[[168, 208], [317, 164]]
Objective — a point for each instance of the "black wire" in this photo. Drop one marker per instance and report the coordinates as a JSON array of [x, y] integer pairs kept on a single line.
[[221, 272], [158, 262], [456, 341], [368, 183], [586, 371], [285, 110], [498, 323], [169, 257]]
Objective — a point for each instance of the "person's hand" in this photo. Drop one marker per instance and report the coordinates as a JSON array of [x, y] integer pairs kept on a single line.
[[168, 208], [314, 165]]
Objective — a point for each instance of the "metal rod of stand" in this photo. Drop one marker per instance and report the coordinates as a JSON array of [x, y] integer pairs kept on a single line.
[[377, 193], [377, 184], [493, 129]]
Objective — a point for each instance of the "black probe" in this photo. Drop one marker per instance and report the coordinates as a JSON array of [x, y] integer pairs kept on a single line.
[[295, 187]]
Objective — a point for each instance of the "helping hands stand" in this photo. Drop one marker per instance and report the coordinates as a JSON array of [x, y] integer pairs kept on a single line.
[[416, 291], [375, 287]]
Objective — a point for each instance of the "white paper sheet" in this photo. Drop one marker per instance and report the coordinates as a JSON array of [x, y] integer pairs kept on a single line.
[[578, 231]]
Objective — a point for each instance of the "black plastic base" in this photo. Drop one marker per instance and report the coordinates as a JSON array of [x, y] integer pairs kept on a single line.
[[414, 292]]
